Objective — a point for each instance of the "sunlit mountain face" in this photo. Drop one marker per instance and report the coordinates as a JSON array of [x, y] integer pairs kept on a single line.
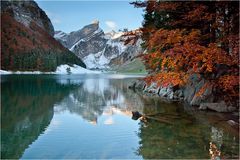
[[101, 50]]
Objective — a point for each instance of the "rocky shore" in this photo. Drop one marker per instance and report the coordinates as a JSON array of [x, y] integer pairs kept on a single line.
[[188, 94]]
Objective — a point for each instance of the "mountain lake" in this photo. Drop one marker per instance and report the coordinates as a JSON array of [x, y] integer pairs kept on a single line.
[[90, 116]]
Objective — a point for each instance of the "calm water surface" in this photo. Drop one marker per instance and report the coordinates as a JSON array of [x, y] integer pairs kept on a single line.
[[89, 116]]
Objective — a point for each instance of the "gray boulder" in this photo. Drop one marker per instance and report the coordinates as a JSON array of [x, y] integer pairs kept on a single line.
[[139, 85], [190, 88], [195, 84], [207, 96], [153, 88], [232, 123], [166, 92]]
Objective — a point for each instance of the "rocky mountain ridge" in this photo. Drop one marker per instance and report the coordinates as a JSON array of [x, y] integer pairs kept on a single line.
[[26, 12], [99, 50]]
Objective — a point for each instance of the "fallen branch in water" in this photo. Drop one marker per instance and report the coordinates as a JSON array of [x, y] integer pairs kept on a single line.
[[136, 115]]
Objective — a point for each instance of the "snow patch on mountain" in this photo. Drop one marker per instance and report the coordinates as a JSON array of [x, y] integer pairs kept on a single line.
[[75, 69], [120, 45], [101, 59], [62, 69], [4, 72], [97, 60], [60, 35], [72, 48], [117, 35], [113, 35]]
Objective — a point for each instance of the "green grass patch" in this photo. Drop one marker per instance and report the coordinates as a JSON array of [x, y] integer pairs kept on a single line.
[[134, 66]]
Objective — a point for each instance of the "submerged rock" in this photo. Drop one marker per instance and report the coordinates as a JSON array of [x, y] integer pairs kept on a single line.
[[139, 85], [219, 107], [232, 123], [133, 85]]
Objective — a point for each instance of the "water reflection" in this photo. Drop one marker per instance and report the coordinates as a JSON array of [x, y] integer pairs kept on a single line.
[[26, 110], [101, 96], [83, 116], [186, 135]]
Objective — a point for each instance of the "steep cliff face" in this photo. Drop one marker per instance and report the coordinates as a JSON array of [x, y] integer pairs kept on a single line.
[[131, 51], [98, 49], [27, 44], [27, 11], [61, 37], [77, 38]]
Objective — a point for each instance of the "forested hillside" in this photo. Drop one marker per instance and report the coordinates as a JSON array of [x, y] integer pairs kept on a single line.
[[25, 45]]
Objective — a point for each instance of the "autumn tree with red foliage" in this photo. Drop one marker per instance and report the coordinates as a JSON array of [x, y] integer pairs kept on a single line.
[[185, 38]]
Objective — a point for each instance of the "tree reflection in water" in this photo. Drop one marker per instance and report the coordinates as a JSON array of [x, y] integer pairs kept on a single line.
[[26, 110], [187, 137]]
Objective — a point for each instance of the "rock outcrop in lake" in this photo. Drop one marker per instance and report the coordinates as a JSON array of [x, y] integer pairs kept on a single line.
[[188, 94]]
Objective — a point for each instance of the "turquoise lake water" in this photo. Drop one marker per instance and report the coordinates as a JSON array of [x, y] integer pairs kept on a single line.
[[90, 116]]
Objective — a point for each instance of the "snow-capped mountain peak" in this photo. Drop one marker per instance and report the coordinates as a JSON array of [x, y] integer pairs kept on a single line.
[[113, 35], [95, 22], [96, 48]]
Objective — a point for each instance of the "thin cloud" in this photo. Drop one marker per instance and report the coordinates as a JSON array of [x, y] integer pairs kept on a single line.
[[111, 24]]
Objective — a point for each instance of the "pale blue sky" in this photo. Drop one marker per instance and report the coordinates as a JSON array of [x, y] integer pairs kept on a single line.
[[72, 15]]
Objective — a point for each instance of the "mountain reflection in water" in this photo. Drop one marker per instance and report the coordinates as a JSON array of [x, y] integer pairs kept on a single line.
[[89, 116], [101, 96]]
